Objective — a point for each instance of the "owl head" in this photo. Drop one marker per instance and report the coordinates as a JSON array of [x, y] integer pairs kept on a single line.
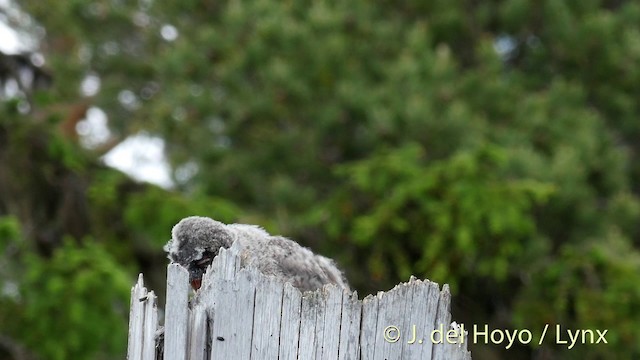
[[195, 241]]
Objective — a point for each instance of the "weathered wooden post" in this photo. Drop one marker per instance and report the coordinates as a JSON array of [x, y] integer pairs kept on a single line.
[[143, 323], [242, 314]]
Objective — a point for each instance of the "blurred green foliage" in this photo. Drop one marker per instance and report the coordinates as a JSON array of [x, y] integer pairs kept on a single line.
[[457, 213], [490, 145], [77, 300]]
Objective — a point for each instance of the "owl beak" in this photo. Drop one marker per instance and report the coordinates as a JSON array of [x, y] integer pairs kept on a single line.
[[196, 283]]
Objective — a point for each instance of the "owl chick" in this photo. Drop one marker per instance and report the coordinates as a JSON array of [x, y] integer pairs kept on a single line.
[[196, 241]]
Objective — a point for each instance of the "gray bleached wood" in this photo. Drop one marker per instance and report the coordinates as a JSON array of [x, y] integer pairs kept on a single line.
[[290, 323], [368, 328], [266, 322], [150, 325], [143, 323], [331, 322], [136, 314], [198, 339], [239, 313], [311, 303], [177, 313], [350, 327], [232, 317]]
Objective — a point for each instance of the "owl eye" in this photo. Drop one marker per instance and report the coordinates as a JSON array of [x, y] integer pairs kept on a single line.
[[203, 262]]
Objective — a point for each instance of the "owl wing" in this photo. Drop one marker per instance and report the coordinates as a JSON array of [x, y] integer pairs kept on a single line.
[[301, 267]]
